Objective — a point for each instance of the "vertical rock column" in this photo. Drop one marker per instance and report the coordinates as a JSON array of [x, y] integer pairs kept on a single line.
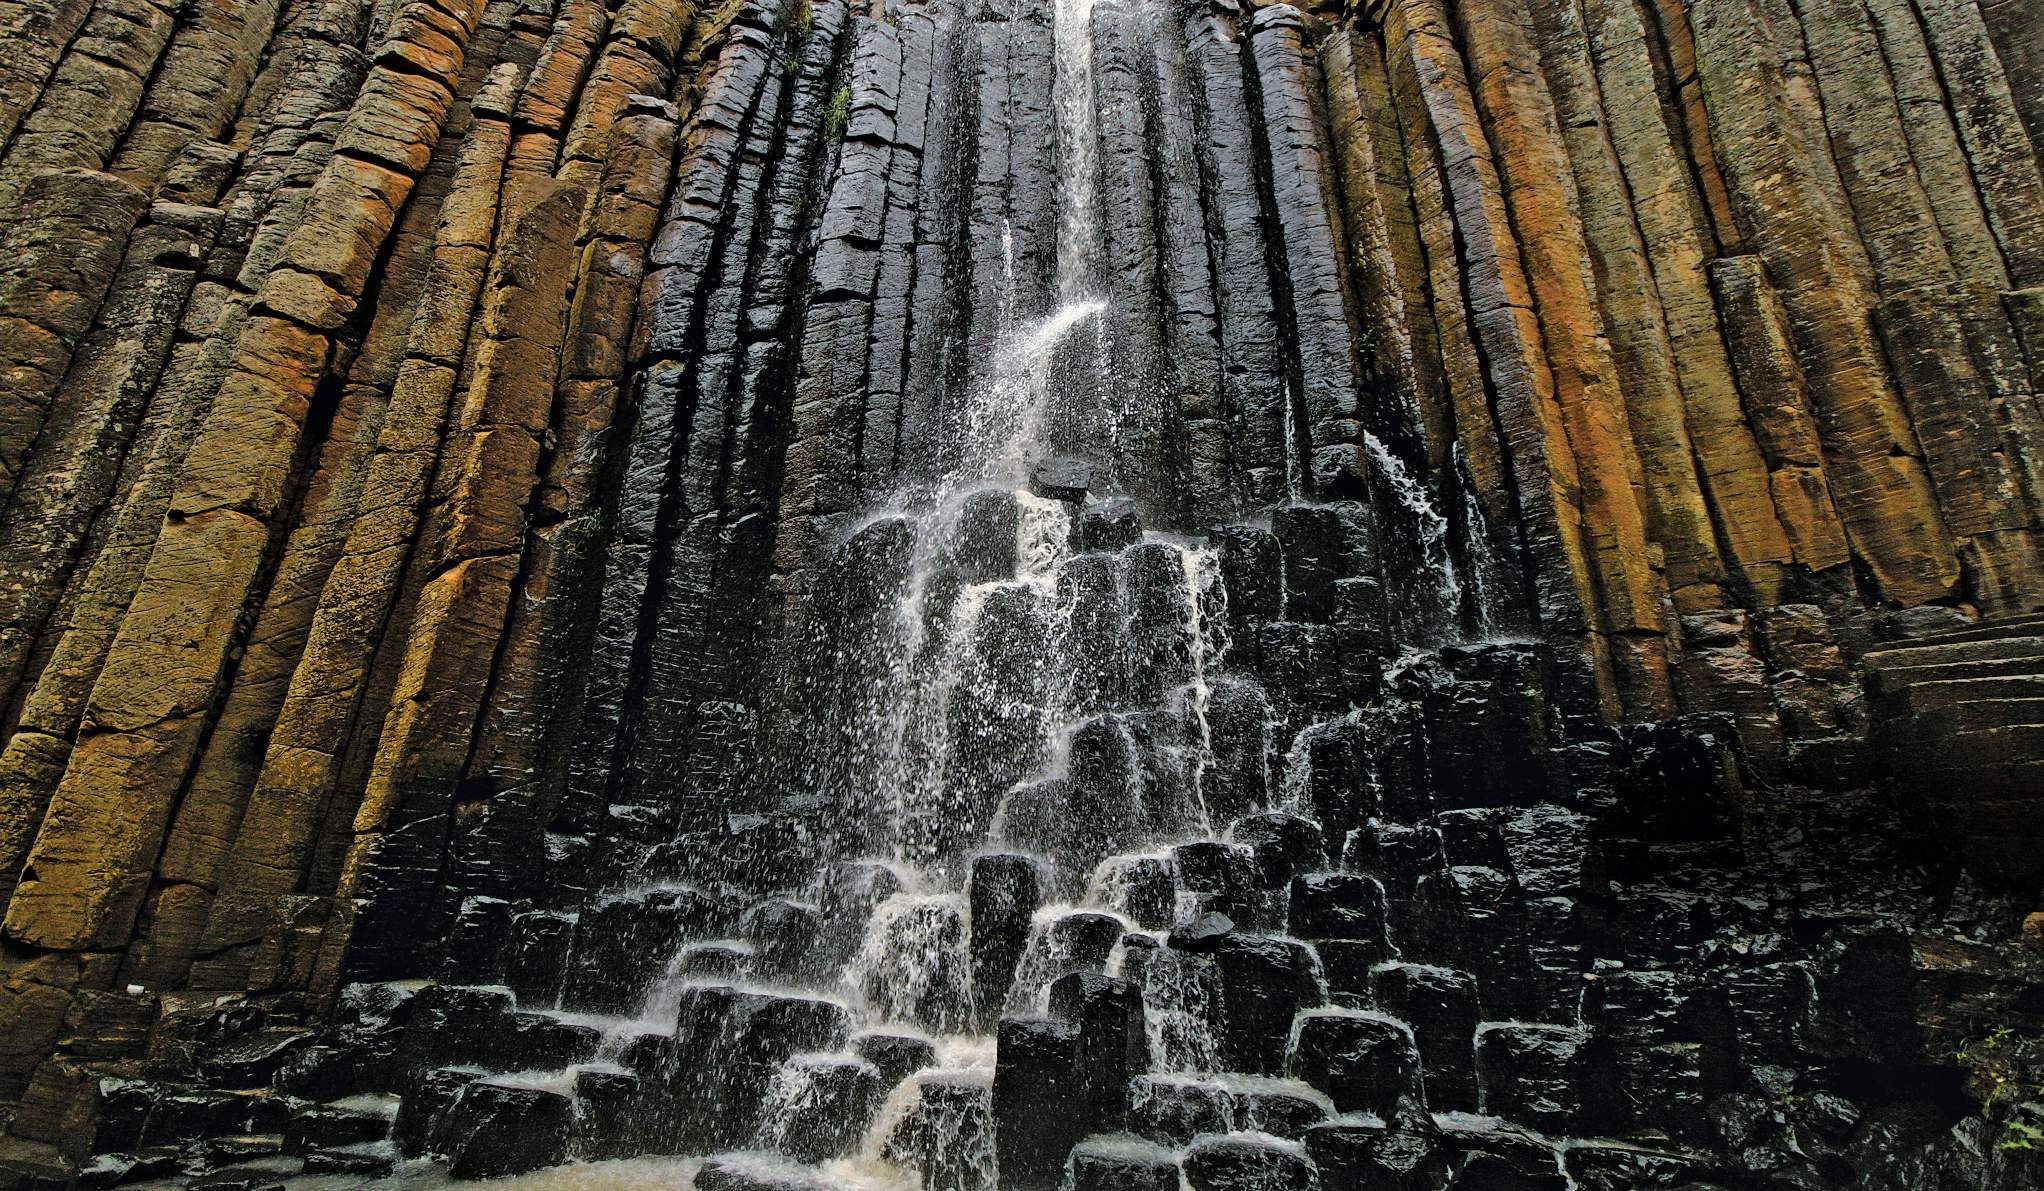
[[83, 880], [1877, 477]]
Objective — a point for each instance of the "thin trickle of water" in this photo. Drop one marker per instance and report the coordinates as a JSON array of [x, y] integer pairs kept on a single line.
[[1207, 642], [1435, 553], [1296, 790], [1486, 573]]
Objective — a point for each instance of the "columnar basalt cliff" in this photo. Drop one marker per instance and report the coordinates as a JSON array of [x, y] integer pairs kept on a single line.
[[1023, 593]]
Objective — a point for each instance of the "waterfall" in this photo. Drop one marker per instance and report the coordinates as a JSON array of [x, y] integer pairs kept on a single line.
[[1088, 809], [1078, 230]]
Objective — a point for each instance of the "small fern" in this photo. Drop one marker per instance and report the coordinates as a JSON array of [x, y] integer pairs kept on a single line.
[[838, 114]]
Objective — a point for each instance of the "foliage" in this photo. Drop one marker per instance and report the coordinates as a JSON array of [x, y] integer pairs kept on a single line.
[[838, 114], [2006, 1071]]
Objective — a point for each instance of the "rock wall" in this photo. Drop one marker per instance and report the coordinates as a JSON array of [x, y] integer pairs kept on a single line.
[[424, 422]]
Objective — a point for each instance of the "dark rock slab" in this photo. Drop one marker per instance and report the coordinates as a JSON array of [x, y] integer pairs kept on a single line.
[[1285, 845], [1264, 983], [499, 1128], [1530, 1074], [1003, 892], [895, 1056], [1251, 1162], [1122, 1163], [1061, 478], [950, 1134], [1364, 1061], [536, 967], [821, 1106], [1112, 1044], [1359, 1152], [1037, 1087], [1443, 1009]]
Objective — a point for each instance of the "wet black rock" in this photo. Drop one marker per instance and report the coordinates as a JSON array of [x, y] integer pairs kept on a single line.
[[837, 1102], [1491, 1156], [1122, 1163], [1237, 777], [1487, 725], [372, 1019], [1321, 543], [1678, 783], [427, 1097], [260, 1175], [500, 1128], [1003, 892], [536, 965], [1203, 935], [473, 951], [1145, 888], [124, 1108], [369, 1159], [731, 1043], [1037, 1086], [1285, 845], [1264, 983], [1546, 848], [1364, 1061], [326, 1126], [542, 1042], [753, 1172], [1112, 1042], [611, 1114], [784, 935], [895, 1056], [1530, 1074], [1359, 1152], [1061, 478], [199, 1113], [1081, 942], [1474, 923], [1441, 1006], [251, 1060], [452, 1025], [1608, 1165], [948, 1134], [1112, 526], [1252, 572], [721, 959], [1223, 878], [623, 940], [984, 550], [1174, 1109], [1339, 906], [1398, 856], [323, 1073], [1248, 1163]]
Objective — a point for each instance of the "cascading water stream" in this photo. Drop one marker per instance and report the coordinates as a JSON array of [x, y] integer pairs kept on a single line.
[[1037, 675], [1078, 231]]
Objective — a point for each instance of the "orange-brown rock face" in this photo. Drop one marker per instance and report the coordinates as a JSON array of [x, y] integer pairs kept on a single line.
[[422, 421]]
